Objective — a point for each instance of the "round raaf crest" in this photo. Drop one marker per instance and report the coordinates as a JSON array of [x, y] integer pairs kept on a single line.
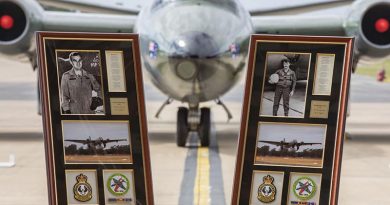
[[304, 188], [118, 184], [267, 191], [82, 189]]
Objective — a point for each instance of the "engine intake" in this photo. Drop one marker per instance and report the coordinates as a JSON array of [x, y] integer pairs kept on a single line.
[[13, 21], [18, 22], [374, 24], [369, 21]]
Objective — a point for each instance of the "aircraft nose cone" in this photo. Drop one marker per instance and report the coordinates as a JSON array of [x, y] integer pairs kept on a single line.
[[195, 44]]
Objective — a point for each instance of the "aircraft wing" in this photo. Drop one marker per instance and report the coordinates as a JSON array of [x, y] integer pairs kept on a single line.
[[361, 19], [309, 143], [300, 18], [29, 16], [259, 7], [266, 7], [115, 140], [271, 142], [112, 6], [77, 141], [299, 25]]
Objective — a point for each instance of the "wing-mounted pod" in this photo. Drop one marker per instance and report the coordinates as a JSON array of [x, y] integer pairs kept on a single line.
[[19, 19], [369, 21]]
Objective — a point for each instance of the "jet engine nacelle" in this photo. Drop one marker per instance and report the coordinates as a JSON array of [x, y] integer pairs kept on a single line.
[[369, 21], [19, 19]]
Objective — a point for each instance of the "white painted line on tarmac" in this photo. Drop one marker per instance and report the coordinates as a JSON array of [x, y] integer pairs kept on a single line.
[[10, 163]]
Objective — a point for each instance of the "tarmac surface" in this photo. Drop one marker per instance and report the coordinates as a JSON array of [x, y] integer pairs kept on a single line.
[[191, 175]]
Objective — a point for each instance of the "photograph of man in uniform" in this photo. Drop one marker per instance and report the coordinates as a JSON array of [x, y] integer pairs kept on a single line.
[[81, 92], [285, 87]]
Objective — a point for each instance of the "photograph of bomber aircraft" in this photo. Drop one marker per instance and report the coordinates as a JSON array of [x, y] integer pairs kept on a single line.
[[94, 144], [290, 144], [287, 145], [195, 51], [100, 146]]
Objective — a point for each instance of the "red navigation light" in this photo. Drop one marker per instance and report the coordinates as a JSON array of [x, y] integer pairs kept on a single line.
[[382, 25], [6, 22]]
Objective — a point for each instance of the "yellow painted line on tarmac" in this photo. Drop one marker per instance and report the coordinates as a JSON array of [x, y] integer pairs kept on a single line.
[[202, 180]]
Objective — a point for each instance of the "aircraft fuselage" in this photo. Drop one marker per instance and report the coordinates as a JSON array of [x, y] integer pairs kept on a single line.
[[191, 53]]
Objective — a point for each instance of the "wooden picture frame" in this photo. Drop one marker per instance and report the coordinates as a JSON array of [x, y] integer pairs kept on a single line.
[[325, 107], [112, 138]]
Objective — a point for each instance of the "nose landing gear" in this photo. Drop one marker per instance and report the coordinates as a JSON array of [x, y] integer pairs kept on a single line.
[[182, 127], [192, 120], [204, 127]]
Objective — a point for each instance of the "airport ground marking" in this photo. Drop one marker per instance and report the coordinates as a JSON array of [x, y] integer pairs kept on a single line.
[[202, 180]]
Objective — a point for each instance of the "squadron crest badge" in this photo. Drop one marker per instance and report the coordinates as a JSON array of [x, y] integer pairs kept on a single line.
[[304, 188], [267, 190], [82, 189], [118, 184]]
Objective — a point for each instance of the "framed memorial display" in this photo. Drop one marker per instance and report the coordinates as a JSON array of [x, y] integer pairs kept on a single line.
[[293, 120], [96, 142]]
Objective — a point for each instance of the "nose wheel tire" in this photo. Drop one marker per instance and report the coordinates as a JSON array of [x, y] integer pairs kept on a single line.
[[182, 127], [204, 127]]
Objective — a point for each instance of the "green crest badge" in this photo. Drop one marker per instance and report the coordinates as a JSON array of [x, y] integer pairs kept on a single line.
[[304, 188], [118, 184], [82, 189], [267, 191]]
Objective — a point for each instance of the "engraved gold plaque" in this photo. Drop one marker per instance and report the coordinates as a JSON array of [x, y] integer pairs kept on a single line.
[[319, 109], [119, 106]]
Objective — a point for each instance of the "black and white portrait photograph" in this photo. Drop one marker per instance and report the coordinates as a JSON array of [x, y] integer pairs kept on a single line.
[[80, 82], [285, 84], [96, 142], [290, 144]]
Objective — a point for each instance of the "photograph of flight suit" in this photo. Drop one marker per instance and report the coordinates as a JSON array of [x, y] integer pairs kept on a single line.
[[285, 78], [285, 87], [76, 92], [80, 85]]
